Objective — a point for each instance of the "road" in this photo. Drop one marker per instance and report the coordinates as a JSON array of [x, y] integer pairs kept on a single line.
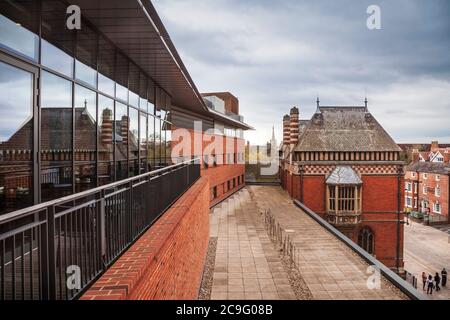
[[427, 249]]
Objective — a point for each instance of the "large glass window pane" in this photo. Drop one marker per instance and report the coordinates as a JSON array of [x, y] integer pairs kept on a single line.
[[143, 92], [134, 86], [85, 139], [151, 142], [16, 138], [106, 85], [56, 137], [121, 132], [105, 147], [133, 141], [19, 21], [86, 63], [121, 77], [143, 141], [105, 67], [56, 59], [157, 142], [59, 44], [151, 97]]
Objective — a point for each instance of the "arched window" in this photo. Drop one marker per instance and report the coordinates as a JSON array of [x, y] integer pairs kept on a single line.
[[366, 240]]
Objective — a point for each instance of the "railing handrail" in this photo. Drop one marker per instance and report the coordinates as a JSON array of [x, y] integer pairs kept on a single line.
[[35, 208]]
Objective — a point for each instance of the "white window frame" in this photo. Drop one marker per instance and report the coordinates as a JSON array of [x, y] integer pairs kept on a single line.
[[438, 177], [415, 202], [413, 174], [408, 205], [435, 206], [425, 176], [425, 190], [436, 193]]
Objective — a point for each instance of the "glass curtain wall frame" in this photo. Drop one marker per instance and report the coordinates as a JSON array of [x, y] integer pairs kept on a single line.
[[85, 48], [19, 136]]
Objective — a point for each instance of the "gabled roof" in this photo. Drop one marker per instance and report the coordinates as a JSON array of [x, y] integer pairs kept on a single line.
[[430, 167], [343, 175], [344, 129]]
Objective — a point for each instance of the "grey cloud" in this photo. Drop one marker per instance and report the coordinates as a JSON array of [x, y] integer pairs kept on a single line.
[[276, 54]]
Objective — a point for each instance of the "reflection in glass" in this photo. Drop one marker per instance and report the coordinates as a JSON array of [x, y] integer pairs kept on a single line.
[[143, 142], [157, 142], [56, 59], [15, 37], [105, 85], [105, 148], [85, 74], [16, 138], [86, 56], [56, 137], [121, 77], [134, 141], [151, 142], [121, 132], [121, 92], [133, 85], [85, 139], [143, 83]]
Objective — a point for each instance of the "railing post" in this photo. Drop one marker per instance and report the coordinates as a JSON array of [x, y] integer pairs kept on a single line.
[[102, 228], [51, 254]]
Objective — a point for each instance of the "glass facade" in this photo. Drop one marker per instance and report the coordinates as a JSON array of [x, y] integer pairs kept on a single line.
[[101, 118]]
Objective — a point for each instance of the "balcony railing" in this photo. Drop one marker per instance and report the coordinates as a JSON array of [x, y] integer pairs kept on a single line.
[[56, 250]]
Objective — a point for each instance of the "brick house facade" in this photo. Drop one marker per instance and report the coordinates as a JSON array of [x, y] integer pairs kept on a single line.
[[427, 189], [344, 166]]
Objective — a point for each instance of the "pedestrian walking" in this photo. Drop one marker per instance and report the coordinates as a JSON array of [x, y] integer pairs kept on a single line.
[[424, 280], [437, 280], [444, 277], [430, 284]]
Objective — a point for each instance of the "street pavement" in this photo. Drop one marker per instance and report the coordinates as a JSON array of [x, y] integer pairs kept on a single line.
[[427, 249]]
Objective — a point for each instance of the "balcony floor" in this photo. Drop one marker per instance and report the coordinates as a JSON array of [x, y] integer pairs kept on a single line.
[[248, 266]]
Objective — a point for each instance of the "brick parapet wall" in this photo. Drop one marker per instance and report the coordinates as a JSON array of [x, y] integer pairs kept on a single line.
[[166, 262]]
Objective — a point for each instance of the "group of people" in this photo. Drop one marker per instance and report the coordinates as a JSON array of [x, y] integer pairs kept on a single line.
[[431, 283]]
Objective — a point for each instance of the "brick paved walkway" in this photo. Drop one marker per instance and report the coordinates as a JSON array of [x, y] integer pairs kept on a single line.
[[246, 265]]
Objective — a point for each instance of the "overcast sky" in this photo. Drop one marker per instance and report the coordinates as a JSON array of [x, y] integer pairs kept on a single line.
[[277, 54]]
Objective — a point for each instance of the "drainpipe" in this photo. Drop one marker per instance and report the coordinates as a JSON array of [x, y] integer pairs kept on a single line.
[[302, 171], [399, 175]]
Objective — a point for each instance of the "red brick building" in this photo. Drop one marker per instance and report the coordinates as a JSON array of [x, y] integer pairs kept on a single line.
[[427, 189], [343, 165]]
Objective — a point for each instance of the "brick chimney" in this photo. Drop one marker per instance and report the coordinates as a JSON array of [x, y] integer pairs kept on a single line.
[[124, 128], [286, 130], [434, 146], [294, 127], [107, 127]]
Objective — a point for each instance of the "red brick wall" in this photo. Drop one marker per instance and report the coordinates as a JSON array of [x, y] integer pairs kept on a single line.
[[314, 195], [167, 261], [379, 193], [431, 183], [224, 171], [379, 202]]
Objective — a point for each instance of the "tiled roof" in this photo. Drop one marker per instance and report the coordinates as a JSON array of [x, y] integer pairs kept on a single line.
[[344, 129], [430, 167]]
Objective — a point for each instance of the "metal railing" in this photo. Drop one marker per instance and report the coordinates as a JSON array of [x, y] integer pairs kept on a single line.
[[56, 250]]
